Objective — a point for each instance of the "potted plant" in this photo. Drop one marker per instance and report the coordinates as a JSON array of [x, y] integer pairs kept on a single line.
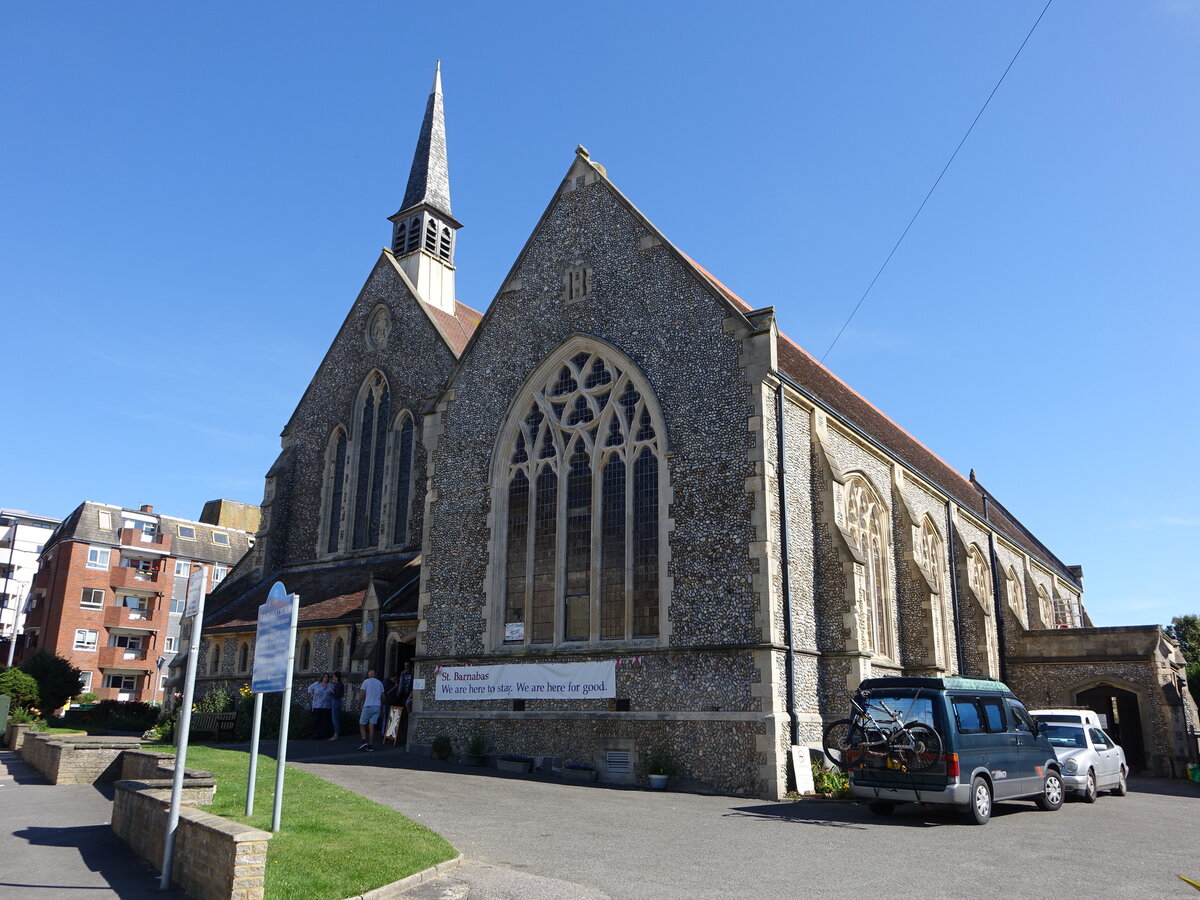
[[441, 748], [659, 767], [575, 770], [474, 752], [514, 762]]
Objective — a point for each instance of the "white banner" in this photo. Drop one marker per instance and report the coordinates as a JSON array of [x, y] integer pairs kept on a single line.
[[519, 681]]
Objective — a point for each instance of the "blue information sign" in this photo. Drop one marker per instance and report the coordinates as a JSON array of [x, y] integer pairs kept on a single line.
[[272, 647]]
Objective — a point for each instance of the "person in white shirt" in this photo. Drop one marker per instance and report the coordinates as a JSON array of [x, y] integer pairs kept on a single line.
[[370, 698], [322, 699]]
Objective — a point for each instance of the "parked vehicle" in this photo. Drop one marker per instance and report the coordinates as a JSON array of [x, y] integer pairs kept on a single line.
[[1091, 760], [991, 748], [1073, 715]]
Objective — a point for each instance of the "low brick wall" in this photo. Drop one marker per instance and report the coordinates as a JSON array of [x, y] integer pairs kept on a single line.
[[215, 859], [64, 761]]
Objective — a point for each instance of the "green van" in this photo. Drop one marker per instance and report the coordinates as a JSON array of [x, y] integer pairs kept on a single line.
[[991, 748]]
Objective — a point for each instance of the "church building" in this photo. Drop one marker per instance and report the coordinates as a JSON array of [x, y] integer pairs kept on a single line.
[[622, 467]]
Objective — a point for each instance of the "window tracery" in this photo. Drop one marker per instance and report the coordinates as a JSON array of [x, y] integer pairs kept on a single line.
[[402, 477], [1016, 594], [931, 554], [374, 415], [580, 477], [867, 525], [335, 480]]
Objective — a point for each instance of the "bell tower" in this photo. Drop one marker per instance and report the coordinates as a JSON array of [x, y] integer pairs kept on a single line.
[[424, 231]]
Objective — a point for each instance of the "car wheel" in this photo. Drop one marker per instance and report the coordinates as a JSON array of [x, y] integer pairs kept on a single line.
[[1089, 793], [881, 807], [1051, 797], [980, 809], [1122, 787]]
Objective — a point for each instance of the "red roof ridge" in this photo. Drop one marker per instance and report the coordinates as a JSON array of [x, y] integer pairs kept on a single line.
[[719, 285]]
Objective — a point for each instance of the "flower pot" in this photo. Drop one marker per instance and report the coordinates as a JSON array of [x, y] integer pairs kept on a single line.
[[579, 774], [658, 782], [520, 766]]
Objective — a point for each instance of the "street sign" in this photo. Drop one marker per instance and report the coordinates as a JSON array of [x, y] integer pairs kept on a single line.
[[195, 593], [273, 644]]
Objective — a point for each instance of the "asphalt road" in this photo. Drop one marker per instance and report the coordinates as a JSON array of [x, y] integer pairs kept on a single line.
[[541, 838]]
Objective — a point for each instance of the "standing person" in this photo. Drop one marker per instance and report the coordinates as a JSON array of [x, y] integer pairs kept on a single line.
[[322, 700], [370, 698], [335, 709], [406, 686]]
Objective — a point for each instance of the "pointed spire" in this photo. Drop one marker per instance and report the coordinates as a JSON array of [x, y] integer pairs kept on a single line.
[[429, 178]]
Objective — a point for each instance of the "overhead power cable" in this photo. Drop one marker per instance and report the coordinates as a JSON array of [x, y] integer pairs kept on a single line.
[[900, 239]]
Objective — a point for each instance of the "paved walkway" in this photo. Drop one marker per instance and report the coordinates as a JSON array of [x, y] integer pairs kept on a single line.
[[530, 837], [55, 842]]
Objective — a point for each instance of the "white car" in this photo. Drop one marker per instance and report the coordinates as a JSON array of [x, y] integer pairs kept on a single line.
[[1091, 760]]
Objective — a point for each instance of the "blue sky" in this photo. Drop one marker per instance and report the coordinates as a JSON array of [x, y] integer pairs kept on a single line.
[[193, 196]]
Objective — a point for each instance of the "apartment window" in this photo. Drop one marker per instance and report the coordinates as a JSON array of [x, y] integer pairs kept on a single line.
[[98, 557], [187, 532], [92, 597], [220, 537], [128, 641], [183, 568], [170, 644], [219, 573], [85, 639], [104, 519], [139, 607], [178, 604], [86, 679], [121, 682]]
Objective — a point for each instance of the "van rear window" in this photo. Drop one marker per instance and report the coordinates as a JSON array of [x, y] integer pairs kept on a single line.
[[886, 708]]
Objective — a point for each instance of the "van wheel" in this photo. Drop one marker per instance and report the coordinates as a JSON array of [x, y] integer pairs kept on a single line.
[[980, 809], [1122, 787], [1051, 797], [1089, 793], [881, 807]]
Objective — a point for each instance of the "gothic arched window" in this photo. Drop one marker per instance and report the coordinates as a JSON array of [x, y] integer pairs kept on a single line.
[[374, 416], [402, 490], [980, 580], [931, 554], [1044, 608], [334, 489], [214, 663], [867, 523], [243, 665], [1016, 594], [581, 483]]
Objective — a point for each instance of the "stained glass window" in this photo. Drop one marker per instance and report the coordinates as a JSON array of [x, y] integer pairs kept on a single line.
[[866, 521], [404, 479], [581, 555], [335, 475], [372, 449]]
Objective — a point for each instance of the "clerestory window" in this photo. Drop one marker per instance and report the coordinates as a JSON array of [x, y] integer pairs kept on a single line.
[[582, 480]]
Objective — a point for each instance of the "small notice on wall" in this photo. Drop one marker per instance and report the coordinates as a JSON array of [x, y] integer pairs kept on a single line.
[[545, 681]]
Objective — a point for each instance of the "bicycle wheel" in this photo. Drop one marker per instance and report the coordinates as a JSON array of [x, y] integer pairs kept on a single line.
[[923, 747], [839, 740]]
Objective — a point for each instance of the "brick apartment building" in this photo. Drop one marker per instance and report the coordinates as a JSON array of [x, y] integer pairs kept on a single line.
[[111, 586]]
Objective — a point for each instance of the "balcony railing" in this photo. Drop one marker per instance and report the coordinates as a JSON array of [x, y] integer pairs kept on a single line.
[[128, 617], [121, 658], [129, 577], [136, 538]]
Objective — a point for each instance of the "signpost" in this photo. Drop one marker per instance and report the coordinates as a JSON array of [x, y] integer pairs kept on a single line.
[[195, 611], [274, 653]]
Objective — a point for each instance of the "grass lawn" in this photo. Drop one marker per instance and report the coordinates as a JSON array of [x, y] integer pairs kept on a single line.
[[332, 843]]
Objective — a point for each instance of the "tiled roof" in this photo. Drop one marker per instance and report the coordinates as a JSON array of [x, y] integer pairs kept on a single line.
[[457, 328], [328, 592], [846, 403]]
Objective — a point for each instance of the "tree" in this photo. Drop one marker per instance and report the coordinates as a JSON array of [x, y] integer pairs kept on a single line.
[[1185, 630], [22, 688], [58, 681]]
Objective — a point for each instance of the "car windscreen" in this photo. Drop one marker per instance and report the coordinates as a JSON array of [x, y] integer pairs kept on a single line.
[[1065, 735]]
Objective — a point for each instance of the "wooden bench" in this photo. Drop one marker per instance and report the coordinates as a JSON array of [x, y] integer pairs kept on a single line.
[[216, 724]]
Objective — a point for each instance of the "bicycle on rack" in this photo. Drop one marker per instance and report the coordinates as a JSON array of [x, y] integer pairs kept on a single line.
[[876, 734]]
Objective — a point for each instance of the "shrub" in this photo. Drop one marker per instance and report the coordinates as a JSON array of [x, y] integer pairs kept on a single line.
[[19, 715], [660, 763], [218, 699], [89, 697], [299, 723], [21, 687], [830, 782], [441, 748], [477, 745], [58, 681]]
